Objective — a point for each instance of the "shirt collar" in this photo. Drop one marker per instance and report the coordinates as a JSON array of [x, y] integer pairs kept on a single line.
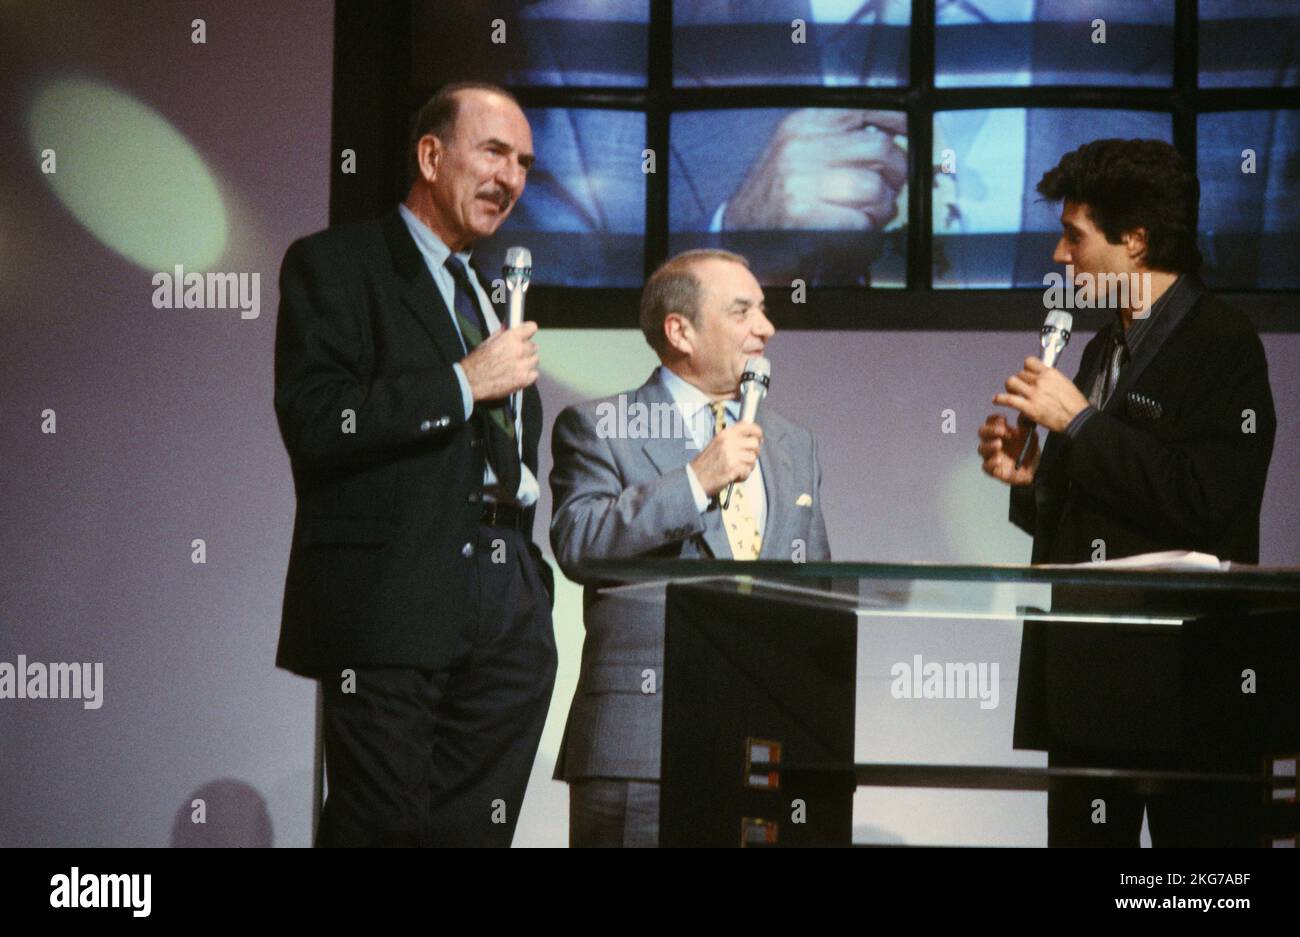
[[689, 398], [1135, 333], [431, 246]]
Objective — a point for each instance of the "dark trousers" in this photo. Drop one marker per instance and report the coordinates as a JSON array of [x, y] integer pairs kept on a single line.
[[442, 758], [1188, 817]]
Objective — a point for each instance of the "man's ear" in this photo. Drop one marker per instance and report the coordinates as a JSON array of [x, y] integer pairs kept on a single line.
[[1135, 243], [429, 149], [679, 333]]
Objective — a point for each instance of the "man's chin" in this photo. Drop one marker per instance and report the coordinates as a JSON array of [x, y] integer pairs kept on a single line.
[[488, 224]]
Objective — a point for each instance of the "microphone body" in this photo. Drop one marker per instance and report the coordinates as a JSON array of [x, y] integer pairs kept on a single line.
[[518, 273], [515, 315], [754, 382], [1055, 336]]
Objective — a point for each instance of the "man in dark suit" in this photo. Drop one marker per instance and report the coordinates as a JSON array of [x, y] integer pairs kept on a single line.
[[1162, 442], [414, 590]]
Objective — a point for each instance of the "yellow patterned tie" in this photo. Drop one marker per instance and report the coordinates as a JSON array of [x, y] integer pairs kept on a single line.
[[738, 516]]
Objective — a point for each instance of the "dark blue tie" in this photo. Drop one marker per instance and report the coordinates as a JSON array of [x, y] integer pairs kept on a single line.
[[468, 311], [499, 425]]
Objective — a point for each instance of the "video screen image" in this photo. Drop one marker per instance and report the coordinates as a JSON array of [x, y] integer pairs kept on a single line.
[[818, 194], [587, 193], [791, 42], [519, 43], [1054, 42], [1249, 43], [1249, 166], [1001, 233]]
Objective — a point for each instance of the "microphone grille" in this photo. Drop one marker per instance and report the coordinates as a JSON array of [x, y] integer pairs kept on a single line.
[[519, 257], [1060, 320], [759, 366]]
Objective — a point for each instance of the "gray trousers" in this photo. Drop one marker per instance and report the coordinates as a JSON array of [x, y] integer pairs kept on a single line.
[[613, 813]]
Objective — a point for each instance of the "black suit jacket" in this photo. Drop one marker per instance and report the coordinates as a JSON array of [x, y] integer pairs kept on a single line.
[[387, 513], [1166, 465]]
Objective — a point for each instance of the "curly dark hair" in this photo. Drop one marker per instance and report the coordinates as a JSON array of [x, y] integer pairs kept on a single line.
[[1128, 184]]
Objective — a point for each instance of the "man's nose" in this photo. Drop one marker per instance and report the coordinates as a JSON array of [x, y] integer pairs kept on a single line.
[[764, 328], [1062, 253], [512, 175]]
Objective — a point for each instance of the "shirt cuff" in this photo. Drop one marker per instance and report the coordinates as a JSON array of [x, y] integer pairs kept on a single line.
[[1080, 418], [466, 395], [715, 223], [697, 490]]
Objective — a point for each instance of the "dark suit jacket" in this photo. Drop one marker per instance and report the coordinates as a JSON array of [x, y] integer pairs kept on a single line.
[[388, 513], [1185, 476]]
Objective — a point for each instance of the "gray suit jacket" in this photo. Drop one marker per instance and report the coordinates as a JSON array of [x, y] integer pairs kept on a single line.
[[623, 498]]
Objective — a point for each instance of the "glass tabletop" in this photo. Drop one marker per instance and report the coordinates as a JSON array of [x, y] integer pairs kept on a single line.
[[996, 593]]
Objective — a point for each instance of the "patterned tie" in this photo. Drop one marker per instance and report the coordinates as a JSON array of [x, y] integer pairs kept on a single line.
[[1118, 357], [499, 431], [738, 516]]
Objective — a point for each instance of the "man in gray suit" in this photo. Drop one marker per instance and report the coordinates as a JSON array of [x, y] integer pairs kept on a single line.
[[622, 488]]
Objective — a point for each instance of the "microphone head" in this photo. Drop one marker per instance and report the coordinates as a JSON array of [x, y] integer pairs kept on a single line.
[[1056, 335], [518, 268], [758, 371], [1056, 328]]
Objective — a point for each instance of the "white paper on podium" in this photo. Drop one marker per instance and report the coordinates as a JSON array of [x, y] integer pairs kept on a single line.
[[1168, 559]]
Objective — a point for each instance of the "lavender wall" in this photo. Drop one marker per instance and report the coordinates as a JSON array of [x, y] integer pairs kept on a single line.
[[165, 433]]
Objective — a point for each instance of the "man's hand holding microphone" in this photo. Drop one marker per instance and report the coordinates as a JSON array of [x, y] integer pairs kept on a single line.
[[505, 362], [729, 457], [1043, 396]]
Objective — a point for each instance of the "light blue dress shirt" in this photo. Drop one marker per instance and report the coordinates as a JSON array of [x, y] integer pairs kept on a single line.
[[435, 255]]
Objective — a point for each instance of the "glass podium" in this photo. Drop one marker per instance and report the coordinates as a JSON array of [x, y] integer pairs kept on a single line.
[[759, 679]]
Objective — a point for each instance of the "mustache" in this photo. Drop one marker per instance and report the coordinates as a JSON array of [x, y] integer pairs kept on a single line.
[[501, 197]]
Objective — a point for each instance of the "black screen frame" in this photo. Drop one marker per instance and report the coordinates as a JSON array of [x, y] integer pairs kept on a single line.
[[374, 99]]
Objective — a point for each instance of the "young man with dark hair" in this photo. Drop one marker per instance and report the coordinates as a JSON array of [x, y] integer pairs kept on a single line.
[[1162, 442]]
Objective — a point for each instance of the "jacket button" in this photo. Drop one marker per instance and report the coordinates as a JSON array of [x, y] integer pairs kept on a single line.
[[467, 550], [474, 444], [426, 426], [443, 421]]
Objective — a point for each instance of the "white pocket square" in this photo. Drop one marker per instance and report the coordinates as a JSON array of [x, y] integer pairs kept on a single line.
[[803, 501]]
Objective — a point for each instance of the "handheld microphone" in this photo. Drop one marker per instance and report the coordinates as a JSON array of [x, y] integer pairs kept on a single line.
[[1055, 336], [754, 382], [518, 272]]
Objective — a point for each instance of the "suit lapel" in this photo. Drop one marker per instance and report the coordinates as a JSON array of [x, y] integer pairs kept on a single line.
[[419, 294], [664, 452], [1164, 325], [667, 454], [778, 477]]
